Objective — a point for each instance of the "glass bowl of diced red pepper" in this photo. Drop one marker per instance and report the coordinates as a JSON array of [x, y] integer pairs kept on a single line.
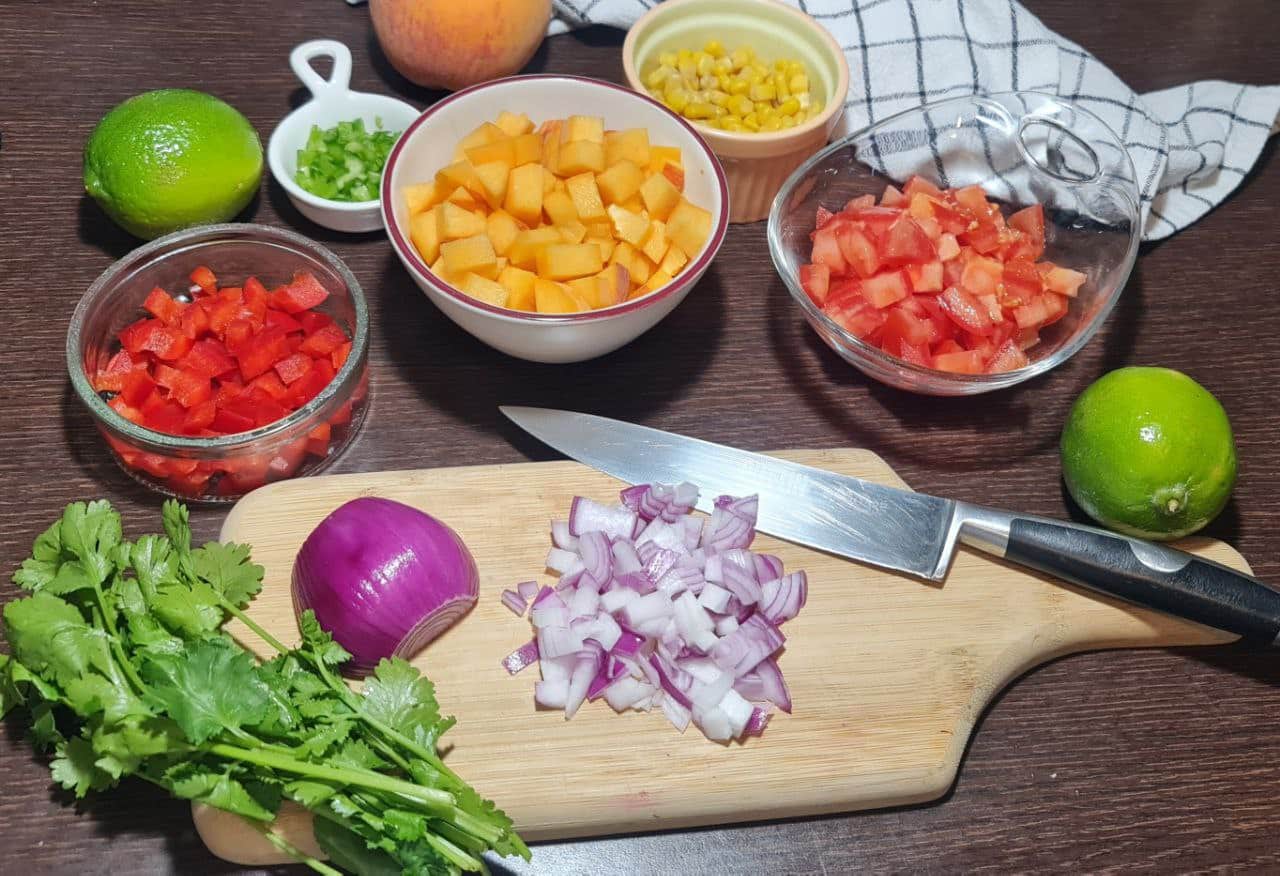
[[221, 358], [964, 246]]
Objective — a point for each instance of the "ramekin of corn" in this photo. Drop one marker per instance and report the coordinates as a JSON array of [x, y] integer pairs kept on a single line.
[[764, 83]]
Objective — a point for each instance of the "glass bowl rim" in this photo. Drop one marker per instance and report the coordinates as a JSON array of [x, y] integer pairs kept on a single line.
[[162, 442], [880, 362]]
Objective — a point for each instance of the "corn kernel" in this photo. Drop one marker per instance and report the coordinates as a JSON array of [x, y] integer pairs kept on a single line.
[[789, 107], [780, 86], [678, 100], [751, 121], [798, 83], [709, 81], [738, 85], [699, 110], [714, 49], [740, 58], [729, 123], [804, 99], [719, 98], [658, 76], [722, 66], [668, 59], [788, 121], [688, 67], [771, 125], [755, 77], [763, 92]]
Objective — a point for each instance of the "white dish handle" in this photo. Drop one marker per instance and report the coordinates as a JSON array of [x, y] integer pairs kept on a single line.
[[339, 79]]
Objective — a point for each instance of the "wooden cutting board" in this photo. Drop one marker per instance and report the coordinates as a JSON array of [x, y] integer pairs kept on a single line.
[[888, 673]]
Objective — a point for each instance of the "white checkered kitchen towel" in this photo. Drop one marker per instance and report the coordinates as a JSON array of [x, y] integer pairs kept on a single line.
[[1191, 145]]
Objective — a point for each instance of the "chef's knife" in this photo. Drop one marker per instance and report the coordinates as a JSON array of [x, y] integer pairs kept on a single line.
[[912, 532]]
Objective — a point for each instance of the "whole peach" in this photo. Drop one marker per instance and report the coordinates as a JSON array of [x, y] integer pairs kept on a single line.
[[455, 43]]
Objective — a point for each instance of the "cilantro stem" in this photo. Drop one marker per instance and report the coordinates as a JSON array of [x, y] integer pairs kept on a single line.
[[253, 625], [340, 775], [458, 856], [291, 850], [104, 620]]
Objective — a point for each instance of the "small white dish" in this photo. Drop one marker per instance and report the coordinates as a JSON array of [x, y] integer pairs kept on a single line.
[[332, 101], [427, 145]]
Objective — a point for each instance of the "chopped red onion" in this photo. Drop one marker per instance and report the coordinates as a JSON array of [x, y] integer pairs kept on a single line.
[[655, 608], [515, 602]]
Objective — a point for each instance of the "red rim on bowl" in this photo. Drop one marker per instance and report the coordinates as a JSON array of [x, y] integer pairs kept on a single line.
[[409, 255]]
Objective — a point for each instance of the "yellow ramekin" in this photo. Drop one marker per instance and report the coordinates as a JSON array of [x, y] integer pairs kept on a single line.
[[756, 164]]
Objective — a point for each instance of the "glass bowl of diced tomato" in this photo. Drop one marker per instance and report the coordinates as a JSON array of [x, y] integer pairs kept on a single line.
[[218, 359], [964, 246]]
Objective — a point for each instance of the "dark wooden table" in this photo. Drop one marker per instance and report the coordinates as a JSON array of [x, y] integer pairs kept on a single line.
[[1164, 760]]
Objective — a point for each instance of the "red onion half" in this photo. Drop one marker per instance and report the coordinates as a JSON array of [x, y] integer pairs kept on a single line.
[[384, 579]]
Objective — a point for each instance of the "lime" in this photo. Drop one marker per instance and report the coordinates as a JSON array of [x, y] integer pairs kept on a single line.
[[1149, 452], [170, 159]]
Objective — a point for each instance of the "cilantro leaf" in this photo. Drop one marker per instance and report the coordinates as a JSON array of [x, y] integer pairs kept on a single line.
[[92, 693], [44, 727], [37, 571], [316, 639], [90, 534], [123, 746], [402, 698], [208, 688], [177, 525], [227, 569], [309, 793], [73, 768], [144, 631], [190, 612], [195, 781], [470, 801], [320, 739], [51, 637], [154, 563], [358, 755]]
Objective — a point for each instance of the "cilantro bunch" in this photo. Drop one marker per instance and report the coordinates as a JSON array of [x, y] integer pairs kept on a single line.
[[119, 657]]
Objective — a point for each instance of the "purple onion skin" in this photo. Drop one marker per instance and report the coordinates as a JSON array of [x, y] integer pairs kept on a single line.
[[383, 577]]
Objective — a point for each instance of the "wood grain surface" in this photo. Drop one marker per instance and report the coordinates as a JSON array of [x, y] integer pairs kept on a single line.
[[1156, 760]]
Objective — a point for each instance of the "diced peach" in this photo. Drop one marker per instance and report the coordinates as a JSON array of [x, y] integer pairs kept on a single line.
[[635, 204], [503, 150], [628, 226], [659, 195], [484, 289], [631, 144], [582, 128], [493, 176], [661, 156], [674, 173], [469, 255], [586, 198], [552, 297], [559, 208], [513, 124], [486, 133], [572, 232], [425, 237], [674, 261], [689, 226], [526, 149], [580, 156], [619, 182], [613, 285], [463, 198], [421, 196], [601, 229], [437, 268], [454, 222], [550, 132], [502, 229], [637, 263], [524, 194], [523, 252], [656, 281], [654, 244], [462, 173], [519, 285], [565, 261], [606, 245]]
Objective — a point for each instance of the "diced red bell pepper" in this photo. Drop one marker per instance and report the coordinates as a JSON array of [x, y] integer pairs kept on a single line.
[[167, 416], [283, 320], [190, 389], [314, 382], [136, 387], [194, 321], [313, 320], [204, 278], [326, 339], [261, 351], [200, 417], [230, 422], [238, 333], [110, 378], [270, 383], [339, 356], [126, 410], [209, 358], [164, 308], [342, 415], [303, 293], [293, 368]]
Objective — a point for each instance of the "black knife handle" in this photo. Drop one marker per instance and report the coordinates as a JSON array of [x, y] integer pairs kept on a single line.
[[1148, 574]]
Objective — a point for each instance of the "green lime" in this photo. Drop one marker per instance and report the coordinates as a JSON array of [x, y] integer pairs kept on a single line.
[[171, 159], [1149, 452]]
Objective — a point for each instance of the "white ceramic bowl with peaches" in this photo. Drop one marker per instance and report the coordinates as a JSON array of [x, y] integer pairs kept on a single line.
[[555, 218]]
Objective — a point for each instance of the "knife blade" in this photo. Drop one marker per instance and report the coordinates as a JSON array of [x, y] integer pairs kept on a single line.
[[912, 532]]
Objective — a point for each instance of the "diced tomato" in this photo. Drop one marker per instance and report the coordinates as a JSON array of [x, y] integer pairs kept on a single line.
[[887, 288], [826, 250], [931, 229], [261, 351], [965, 311], [920, 206], [293, 368], [951, 218], [814, 279], [876, 221], [912, 354], [339, 356], [901, 325], [1008, 358], [973, 199], [1064, 281], [960, 362], [1030, 221], [1021, 281], [856, 316], [905, 243], [162, 307], [926, 277], [948, 248], [860, 202], [823, 217], [858, 250], [204, 278], [982, 276], [918, 184], [255, 292], [303, 293], [1036, 312], [892, 197], [947, 346], [985, 238]]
